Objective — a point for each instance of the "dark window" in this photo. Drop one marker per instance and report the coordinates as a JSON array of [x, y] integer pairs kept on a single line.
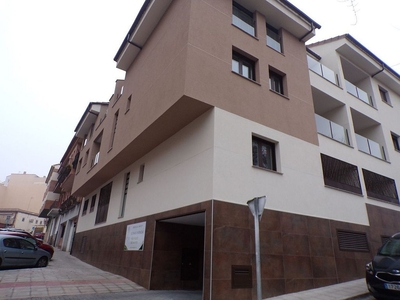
[[141, 173], [380, 187], [384, 95], [114, 129], [104, 200], [352, 241], [23, 244], [92, 203], [273, 38], [10, 243], [125, 194], [340, 174], [243, 18], [85, 206], [243, 66], [396, 143], [128, 103], [276, 82], [264, 154]]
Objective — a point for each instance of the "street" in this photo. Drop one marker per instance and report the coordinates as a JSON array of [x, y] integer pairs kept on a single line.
[[66, 277]]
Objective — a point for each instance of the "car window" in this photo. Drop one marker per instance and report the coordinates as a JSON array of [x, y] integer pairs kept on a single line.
[[10, 243], [391, 248], [26, 245], [33, 241]]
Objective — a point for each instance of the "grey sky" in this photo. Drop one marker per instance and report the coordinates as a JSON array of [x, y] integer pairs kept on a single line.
[[57, 56]]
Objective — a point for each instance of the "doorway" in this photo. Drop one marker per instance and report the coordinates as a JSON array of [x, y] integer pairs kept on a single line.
[[178, 254]]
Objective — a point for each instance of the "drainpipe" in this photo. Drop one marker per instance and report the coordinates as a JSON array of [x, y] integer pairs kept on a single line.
[[380, 71], [312, 29]]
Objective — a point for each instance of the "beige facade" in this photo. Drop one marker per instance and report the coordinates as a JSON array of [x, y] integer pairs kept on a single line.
[[223, 102]]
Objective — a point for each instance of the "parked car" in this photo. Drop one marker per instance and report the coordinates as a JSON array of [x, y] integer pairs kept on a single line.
[[19, 252], [383, 272], [30, 238]]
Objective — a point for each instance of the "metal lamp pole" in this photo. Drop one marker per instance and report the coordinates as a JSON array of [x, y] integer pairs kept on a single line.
[[256, 207]]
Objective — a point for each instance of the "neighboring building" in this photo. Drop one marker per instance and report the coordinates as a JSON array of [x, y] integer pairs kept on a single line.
[[20, 199], [64, 208], [217, 108]]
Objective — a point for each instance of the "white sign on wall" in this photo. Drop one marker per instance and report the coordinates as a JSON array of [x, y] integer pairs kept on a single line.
[[134, 239]]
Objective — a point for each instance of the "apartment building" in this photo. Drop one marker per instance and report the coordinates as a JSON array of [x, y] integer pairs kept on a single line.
[[59, 205], [222, 102]]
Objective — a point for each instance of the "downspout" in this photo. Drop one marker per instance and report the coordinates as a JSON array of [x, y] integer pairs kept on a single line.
[[128, 40], [380, 71], [312, 29]]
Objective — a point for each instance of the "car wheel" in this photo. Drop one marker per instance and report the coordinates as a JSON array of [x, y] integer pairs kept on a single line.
[[42, 262]]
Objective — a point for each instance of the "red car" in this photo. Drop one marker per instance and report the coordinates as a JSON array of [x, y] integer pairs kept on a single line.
[[30, 238]]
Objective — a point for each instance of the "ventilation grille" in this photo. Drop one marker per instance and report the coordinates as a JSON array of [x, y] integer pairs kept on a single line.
[[352, 241], [242, 277]]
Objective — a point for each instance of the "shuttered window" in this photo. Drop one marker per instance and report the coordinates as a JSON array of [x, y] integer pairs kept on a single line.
[[352, 241]]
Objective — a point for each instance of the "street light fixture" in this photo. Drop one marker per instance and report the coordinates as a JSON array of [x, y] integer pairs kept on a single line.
[[256, 207]]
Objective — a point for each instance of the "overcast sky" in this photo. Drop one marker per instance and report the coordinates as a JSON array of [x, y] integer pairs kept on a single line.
[[57, 56]]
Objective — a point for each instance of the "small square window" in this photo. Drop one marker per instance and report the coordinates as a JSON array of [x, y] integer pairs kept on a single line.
[[243, 66], [396, 141], [384, 95], [264, 154], [273, 38], [276, 82]]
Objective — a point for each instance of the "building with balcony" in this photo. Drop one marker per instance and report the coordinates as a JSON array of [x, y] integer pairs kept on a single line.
[[222, 102], [63, 211]]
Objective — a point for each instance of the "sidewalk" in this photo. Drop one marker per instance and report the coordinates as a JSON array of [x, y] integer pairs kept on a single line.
[[66, 277]]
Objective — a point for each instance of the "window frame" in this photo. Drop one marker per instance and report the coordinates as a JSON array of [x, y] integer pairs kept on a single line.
[[375, 184], [240, 12], [271, 31], [124, 194], [242, 60], [85, 207], [276, 79], [384, 94], [93, 203], [103, 204], [259, 142], [396, 141]]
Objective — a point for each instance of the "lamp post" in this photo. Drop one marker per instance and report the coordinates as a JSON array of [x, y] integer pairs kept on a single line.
[[256, 207]]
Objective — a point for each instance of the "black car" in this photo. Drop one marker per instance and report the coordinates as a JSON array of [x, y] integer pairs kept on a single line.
[[383, 272]]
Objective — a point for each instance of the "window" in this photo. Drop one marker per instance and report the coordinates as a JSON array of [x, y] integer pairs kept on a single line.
[[352, 241], [384, 95], [96, 150], [243, 66], [86, 157], [264, 154], [92, 203], [141, 173], [273, 38], [104, 200], [341, 175], [128, 103], [124, 195], [114, 129], [85, 206], [380, 187], [396, 142], [36, 221], [23, 219], [243, 18], [276, 82]]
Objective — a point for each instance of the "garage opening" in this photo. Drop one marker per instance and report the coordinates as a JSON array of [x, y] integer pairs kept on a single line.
[[178, 254]]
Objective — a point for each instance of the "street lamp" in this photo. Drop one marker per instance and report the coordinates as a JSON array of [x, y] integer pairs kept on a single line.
[[256, 207]]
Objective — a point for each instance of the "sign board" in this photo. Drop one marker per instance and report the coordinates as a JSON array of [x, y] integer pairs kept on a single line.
[[134, 239]]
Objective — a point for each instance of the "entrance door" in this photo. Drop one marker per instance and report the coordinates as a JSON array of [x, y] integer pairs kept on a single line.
[[190, 264]]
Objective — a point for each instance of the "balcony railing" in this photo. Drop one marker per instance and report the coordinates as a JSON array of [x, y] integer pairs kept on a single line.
[[321, 70], [369, 146], [332, 130], [357, 92], [243, 21]]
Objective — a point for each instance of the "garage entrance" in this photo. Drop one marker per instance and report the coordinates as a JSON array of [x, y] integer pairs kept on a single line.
[[178, 253]]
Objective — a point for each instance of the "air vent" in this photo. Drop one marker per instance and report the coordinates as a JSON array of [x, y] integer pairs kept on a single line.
[[242, 277], [352, 241]]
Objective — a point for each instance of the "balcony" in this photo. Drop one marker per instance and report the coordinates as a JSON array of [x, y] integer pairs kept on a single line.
[[357, 92], [370, 147], [68, 204], [332, 130], [321, 70]]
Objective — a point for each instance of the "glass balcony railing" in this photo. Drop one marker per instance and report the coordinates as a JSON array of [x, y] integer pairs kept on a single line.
[[357, 92], [332, 130], [321, 70], [369, 146], [237, 21]]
